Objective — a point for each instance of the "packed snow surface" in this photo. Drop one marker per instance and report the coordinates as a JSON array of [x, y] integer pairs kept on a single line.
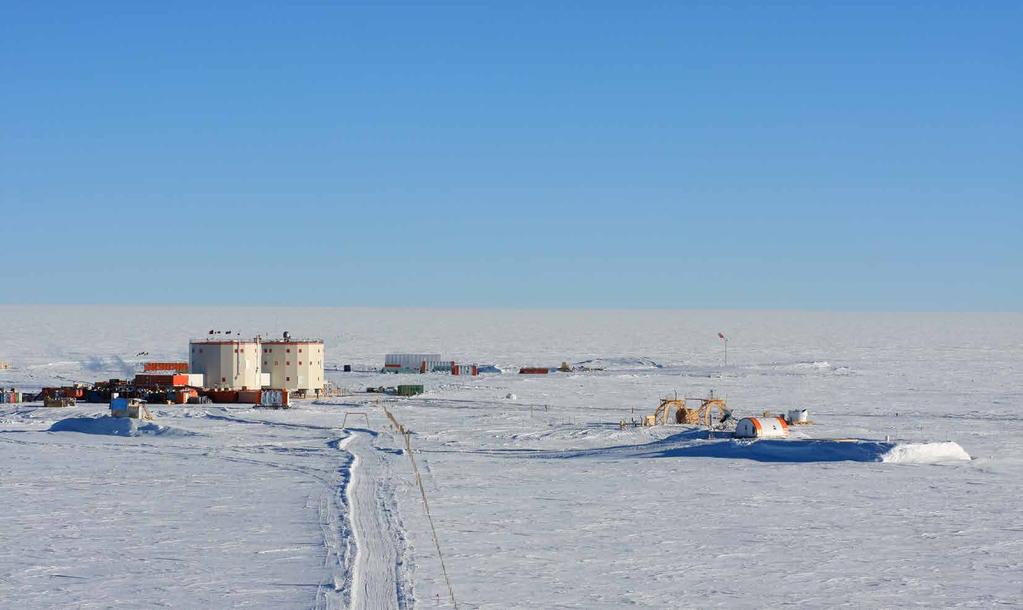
[[905, 492]]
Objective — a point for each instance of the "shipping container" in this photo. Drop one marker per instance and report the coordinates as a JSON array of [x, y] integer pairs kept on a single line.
[[172, 367], [181, 396], [249, 396], [274, 398], [156, 380], [410, 390], [534, 370], [223, 395], [61, 401]]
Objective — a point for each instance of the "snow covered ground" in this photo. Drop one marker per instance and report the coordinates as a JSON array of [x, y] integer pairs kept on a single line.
[[541, 501]]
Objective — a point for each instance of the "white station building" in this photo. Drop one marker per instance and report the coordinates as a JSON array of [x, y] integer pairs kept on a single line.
[[226, 364], [295, 365], [289, 364]]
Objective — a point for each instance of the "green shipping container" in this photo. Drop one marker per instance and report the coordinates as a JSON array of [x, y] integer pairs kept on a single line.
[[410, 390]]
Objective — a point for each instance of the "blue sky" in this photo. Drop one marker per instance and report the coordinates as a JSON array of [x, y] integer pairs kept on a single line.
[[818, 155]]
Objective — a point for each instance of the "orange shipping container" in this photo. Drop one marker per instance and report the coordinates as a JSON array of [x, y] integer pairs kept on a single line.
[[181, 396]]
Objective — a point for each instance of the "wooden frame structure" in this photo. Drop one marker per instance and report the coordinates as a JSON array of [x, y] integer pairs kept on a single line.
[[675, 410]]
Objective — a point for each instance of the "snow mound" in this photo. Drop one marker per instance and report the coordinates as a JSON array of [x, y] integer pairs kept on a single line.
[[616, 364], [114, 426], [802, 367], [823, 450], [926, 453]]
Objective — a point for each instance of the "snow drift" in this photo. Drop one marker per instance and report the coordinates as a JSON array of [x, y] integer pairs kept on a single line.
[[114, 426], [824, 450]]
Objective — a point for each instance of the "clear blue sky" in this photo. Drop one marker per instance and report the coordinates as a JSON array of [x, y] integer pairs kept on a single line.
[[859, 155]]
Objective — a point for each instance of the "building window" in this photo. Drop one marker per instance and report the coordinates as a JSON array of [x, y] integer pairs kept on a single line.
[[288, 363], [287, 378], [277, 363], [288, 350], [300, 350], [223, 380], [264, 363], [299, 363]]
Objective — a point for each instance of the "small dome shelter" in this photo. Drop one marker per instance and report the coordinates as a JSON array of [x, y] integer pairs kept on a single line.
[[761, 427]]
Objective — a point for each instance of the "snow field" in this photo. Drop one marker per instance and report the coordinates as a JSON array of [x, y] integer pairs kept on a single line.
[[540, 501]]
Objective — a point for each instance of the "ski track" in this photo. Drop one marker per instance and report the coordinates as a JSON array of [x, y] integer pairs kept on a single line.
[[379, 576]]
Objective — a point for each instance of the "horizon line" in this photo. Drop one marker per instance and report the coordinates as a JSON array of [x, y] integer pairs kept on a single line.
[[519, 308]]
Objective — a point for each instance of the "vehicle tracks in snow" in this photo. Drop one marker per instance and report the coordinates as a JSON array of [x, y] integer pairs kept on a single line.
[[375, 561]]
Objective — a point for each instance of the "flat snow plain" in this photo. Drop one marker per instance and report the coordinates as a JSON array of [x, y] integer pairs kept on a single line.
[[538, 502]]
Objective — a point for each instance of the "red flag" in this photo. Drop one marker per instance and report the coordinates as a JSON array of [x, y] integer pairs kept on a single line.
[[721, 335]]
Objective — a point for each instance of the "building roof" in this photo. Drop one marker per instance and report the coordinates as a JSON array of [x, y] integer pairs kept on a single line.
[[222, 341], [290, 341]]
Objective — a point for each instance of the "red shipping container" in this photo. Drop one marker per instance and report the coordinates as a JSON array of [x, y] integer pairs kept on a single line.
[[151, 380], [223, 395], [174, 367], [249, 396]]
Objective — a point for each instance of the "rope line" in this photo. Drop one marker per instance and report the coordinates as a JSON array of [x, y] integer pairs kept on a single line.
[[405, 434]]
